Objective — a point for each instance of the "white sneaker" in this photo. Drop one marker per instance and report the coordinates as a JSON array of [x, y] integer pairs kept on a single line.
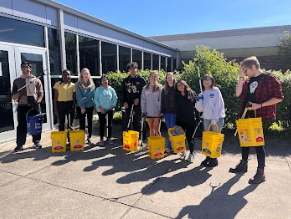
[[100, 143], [191, 157], [183, 155]]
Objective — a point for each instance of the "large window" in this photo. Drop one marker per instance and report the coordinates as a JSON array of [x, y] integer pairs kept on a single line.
[[15, 31], [136, 57], [147, 59], [163, 63], [109, 57], [54, 51], [88, 51], [71, 53], [124, 58], [155, 62], [174, 65], [169, 66]]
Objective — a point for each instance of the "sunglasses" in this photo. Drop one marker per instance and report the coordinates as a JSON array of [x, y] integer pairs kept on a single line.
[[25, 66]]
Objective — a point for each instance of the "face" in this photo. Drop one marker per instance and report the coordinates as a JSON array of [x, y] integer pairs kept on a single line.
[[207, 82], [133, 71], [67, 76], [170, 78], [249, 71], [180, 87], [154, 77], [85, 75], [104, 82], [25, 69]]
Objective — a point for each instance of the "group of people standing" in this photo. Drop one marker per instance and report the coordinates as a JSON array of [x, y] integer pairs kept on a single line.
[[175, 101]]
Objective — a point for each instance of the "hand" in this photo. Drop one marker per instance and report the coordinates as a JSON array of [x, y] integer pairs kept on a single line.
[[136, 101], [15, 95], [112, 108], [82, 111], [143, 114], [125, 105], [242, 71], [102, 110], [254, 106], [162, 115]]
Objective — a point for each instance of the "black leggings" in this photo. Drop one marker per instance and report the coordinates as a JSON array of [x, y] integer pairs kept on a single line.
[[260, 155], [102, 121], [189, 130], [89, 113], [65, 108]]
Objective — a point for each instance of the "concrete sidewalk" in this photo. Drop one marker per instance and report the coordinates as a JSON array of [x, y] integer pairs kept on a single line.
[[107, 182]]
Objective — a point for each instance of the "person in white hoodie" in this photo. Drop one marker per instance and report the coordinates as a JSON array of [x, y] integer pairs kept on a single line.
[[211, 103]]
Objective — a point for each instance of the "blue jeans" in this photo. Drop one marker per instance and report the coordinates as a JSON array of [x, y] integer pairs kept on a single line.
[[207, 122], [170, 122]]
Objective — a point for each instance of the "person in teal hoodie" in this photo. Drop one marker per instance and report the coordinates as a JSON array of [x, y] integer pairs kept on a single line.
[[85, 104], [105, 101]]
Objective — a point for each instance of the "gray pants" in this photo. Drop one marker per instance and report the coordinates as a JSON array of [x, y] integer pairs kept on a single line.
[[207, 122]]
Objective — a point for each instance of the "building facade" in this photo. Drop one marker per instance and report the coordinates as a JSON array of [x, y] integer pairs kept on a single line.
[[54, 37]]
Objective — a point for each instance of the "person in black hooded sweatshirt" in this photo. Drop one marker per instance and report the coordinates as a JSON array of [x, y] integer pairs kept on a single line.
[[185, 116]]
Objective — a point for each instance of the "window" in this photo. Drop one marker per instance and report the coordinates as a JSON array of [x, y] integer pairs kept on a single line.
[[174, 65], [109, 57], [169, 66], [155, 62], [163, 63], [88, 51], [54, 51], [136, 57], [147, 59], [124, 58], [71, 53], [15, 31]]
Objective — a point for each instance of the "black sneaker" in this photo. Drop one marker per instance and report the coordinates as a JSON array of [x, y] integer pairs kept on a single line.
[[241, 167], [212, 163], [37, 146], [18, 148], [205, 162]]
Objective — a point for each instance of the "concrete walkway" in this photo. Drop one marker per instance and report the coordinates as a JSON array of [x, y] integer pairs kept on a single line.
[[107, 182]]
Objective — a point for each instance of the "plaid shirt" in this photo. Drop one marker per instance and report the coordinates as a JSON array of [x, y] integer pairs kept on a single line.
[[268, 87]]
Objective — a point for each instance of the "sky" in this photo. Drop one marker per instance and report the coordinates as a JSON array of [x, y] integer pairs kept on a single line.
[[167, 17]]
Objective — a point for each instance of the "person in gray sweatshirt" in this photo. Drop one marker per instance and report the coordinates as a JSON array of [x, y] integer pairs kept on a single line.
[[151, 103], [212, 106]]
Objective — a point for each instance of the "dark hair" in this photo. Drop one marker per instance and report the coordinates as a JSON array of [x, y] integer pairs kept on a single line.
[[211, 78], [188, 91], [104, 76], [66, 70], [25, 63], [131, 65]]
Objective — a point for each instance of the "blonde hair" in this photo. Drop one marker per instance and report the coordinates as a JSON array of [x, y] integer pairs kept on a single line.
[[250, 61], [157, 85], [166, 85], [81, 80]]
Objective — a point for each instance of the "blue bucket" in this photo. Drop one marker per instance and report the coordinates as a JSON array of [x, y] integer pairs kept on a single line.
[[34, 124]]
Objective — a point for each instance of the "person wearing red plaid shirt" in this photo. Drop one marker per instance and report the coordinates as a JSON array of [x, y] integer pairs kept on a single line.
[[263, 91]]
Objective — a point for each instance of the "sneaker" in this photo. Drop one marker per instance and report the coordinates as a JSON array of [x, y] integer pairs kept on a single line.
[[212, 163], [89, 141], [205, 162], [258, 178], [100, 143], [183, 155], [18, 148], [241, 167], [110, 142], [168, 150], [37, 146], [191, 157]]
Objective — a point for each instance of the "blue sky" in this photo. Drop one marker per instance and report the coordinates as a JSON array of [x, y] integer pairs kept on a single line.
[[164, 17]]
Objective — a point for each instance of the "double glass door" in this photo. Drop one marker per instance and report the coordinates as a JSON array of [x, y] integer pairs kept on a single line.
[[10, 61]]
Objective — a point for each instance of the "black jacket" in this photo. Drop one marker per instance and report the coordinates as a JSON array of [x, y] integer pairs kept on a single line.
[[168, 101], [185, 110], [131, 88]]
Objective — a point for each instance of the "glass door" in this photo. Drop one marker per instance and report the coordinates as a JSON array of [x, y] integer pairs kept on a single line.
[[8, 116], [37, 58]]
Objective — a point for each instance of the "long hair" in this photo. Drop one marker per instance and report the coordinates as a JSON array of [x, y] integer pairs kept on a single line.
[[188, 91], [157, 85], [211, 78], [81, 80], [166, 84]]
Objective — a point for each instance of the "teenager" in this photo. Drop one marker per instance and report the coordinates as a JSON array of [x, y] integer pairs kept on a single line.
[[28, 98], [85, 89], [185, 101], [263, 91], [64, 100], [151, 103], [105, 100], [212, 106], [168, 109]]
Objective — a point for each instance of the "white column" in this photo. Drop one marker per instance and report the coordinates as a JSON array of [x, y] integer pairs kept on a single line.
[[159, 62], [62, 40], [78, 54], [100, 58], [130, 54], [142, 61], [152, 61], [117, 57]]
